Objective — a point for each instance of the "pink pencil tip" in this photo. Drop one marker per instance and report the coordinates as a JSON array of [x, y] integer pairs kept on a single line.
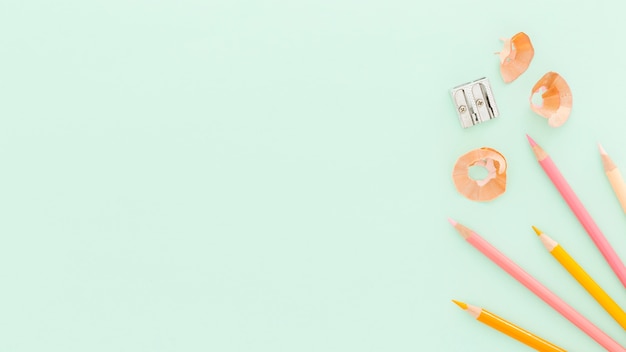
[[531, 141], [452, 222], [602, 151]]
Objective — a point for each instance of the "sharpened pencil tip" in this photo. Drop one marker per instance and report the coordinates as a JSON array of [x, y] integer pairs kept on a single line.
[[452, 222], [537, 231], [531, 141], [602, 151], [460, 304]]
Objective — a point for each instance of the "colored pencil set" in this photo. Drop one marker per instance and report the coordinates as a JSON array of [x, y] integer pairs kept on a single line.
[[559, 253]]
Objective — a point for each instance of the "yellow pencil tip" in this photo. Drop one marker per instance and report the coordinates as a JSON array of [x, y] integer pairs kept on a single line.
[[460, 304], [537, 231]]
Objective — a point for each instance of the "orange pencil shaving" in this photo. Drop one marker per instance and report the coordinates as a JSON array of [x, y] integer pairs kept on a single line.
[[556, 104], [515, 57]]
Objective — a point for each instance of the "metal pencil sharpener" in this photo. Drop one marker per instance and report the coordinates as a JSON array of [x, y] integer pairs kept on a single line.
[[474, 102]]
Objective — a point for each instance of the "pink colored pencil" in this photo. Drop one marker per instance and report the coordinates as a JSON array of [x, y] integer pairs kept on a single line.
[[537, 288], [579, 210]]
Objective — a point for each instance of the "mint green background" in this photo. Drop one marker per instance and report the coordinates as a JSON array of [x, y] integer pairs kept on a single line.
[[275, 175]]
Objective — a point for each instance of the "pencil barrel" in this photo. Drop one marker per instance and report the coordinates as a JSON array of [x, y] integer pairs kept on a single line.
[[517, 333], [589, 284], [585, 219]]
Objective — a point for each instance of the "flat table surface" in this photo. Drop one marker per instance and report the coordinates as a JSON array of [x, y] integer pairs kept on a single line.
[[276, 175]]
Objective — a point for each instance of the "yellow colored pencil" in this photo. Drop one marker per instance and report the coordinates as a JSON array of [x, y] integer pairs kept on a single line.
[[614, 176], [583, 278], [509, 328]]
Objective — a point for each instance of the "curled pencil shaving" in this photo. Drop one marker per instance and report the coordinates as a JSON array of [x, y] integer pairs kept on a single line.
[[556, 104], [488, 188], [515, 57]]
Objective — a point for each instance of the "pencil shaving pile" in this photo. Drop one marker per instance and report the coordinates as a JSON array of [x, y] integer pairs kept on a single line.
[[555, 94], [550, 97]]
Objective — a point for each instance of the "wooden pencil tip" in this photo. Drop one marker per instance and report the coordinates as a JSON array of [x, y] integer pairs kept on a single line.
[[460, 304], [537, 231], [602, 151], [452, 222], [531, 141]]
